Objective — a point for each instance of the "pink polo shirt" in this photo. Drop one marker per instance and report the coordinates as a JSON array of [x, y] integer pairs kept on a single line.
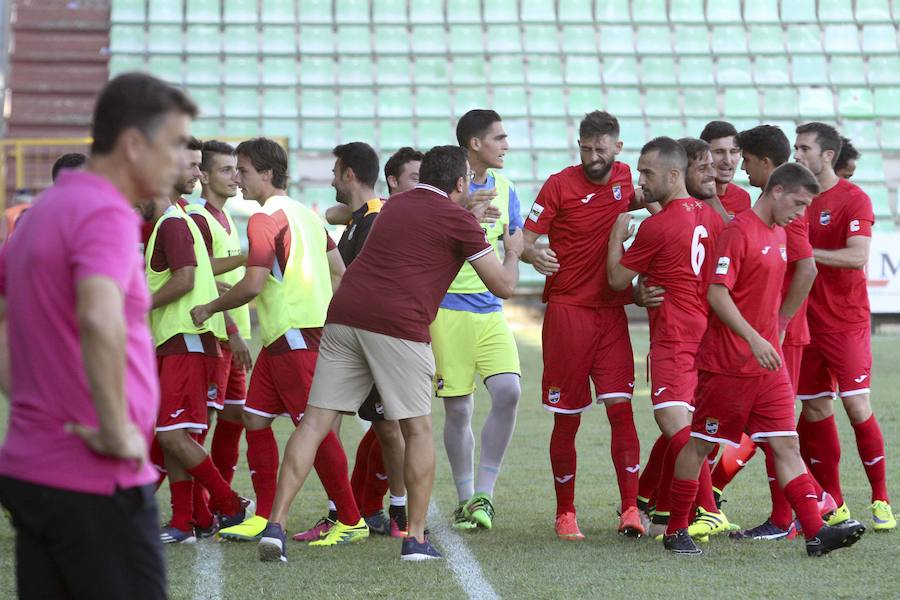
[[79, 228]]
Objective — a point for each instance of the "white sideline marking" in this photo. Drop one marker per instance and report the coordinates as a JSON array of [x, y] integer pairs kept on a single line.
[[208, 571], [465, 566]]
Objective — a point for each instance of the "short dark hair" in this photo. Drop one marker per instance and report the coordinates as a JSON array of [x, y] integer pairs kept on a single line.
[[266, 155], [848, 153], [360, 157], [134, 100], [474, 124], [791, 177], [72, 160], [827, 137], [717, 129], [694, 148], [211, 148], [598, 123], [766, 141], [668, 150], [442, 166], [394, 165], [194, 144]]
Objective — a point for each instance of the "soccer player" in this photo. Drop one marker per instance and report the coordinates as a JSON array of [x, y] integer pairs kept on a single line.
[[742, 384], [377, 333], [585, 332], [84, 394], [401, 171], [289, 272], [839, 355], [722, 139], [845, 165]]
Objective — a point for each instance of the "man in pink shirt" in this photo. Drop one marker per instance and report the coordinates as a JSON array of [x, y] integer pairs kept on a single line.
[[82, 376]]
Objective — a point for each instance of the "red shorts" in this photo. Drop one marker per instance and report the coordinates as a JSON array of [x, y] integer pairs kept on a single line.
[[186, 383], [793, 357], [583, 345], [231, 381], [727, 407], [836, 361], [279, 384], [672, 374]]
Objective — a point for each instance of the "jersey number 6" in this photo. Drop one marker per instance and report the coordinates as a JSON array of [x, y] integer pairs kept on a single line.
[[698, 250]]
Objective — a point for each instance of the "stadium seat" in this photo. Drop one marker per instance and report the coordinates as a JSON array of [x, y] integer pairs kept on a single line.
[[658, 70], [649, 11], [804, 39], [547, 102], [126, 38], [734, 71], [351, 11], [887, 102], [540, 39], [201, 11], [884, 70], [873, 11], [536, 11], [507, 69], [203, 39], [359, 130], [202, 70], [767, 39], [463, 11], [686, 11], [389, 11], [616, 39], [503, 38], [239, 11], [631, 132], [167, 68], [278, 11], [395, 134], [815, 103], [279, 70], [855, 102], [127, 11], [841, 39], [314, 11], [464, 39], [279, 102], [878, 194], [278, 39], [612, 11], [431, 71], [772, 70], [426, 11], [240, 102], [890, 135], [355, 70], [510, 101], [551, 135], [466, 99], [544, 69], [871, 168], [395, 102], [165, 11], [207, 100], [691, 39], [835, 11], [391, 39], [798, 11], [620, 70], [164, 39], [879, 39], [724, 11], [623, 102], [861, 132], [696, 71], [432, 102], [579, 39], [469, 70], [550, 162], [505, 11], [582, 69], [518, 131], [429, 39], [575, 11], [761, 11], [741, 102], [284, 128], [810, 70], [124, 63], [394, 70], [433, 132], [316, 39], [729, 39], [241, 39], [518, 167], [318, 103], [205, 129], [700, 102], [353, 39], [584, 100], [672, 128], [662, 103], [653, 39], [780, 102], [317, 70], [847, 70]]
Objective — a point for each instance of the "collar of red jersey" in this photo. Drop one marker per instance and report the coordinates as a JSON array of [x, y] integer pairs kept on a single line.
[[431, 188]]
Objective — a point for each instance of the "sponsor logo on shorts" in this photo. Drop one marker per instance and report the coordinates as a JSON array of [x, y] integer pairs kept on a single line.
[[379, 407], [712, 426], [783, 252], [617, 192], [553, 395], [212, 391], [175, 414], [825, 217], [564, 478], [659, 391], [860, 379], [722, 265], [535, 214]]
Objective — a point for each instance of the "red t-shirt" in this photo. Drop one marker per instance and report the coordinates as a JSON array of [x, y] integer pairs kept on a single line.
[[397, 282], [798, 248], [578, 215], [735, 200], [751, 259], [839, 300], [674, 249]]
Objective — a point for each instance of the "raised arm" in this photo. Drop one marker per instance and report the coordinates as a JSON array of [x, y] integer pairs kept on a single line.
[[501, 279]]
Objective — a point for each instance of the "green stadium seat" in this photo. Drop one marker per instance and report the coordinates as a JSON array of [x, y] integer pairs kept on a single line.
[[167, 68], [724, 11], [207, 100], [734, 71], [351, 11], [700, 102], [653, 39], [658, 70], [202, 70], [550, 135], [395, 102], [741, 102], [464, 39], [672, 128], [890, 135], [201, 11], [355, 70], [841, 39], [127, 11], [729, 39], [239, 11], [518, 131], [434, 132], [429, 39], [503, 38], [544, 69], [549, 162], [620, 70], [576, 11], [612, 11], [507, 69], [583, 100], [871, 168], [466, 99], [631, 132], [316, 39], [579, 39], [761, 11], [815, 103], [240, 102], [278, 11], [432, 102], [279, 102], [780, 102], [691, 39], [318, 103], [873, 11], [623, 102], [469, 70], [240, 39], [517, 166], [353, 39], [696, 71], [804, 39], [165, 11], [798, 11], [317, 70], [772, 70], [314, 11], [165, 39], [283, 128], [241, 70], [878, 194], [686, 11], [616, 39], [547, 102], [242, 128], [391, 39], [394, 70], [847, 70], [583, 69], [510, 101], [861, 132], [431, 71], [884, 70], [395, 134], [203, 39], [649, 11], [810, 70], [662, 103], [887, 102], [463, 11], [126, 38], [767, 39], [279, 70], [205, 129], [389, 11], [503, 11], [426, 11], [537, 11], [879, 39], [356, 103], [125, 63], [279, 39], [835, 11], [540, 39], [359, 131], [855, 102]]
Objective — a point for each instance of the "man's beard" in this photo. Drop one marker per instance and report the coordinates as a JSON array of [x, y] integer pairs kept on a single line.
[[607, 167]]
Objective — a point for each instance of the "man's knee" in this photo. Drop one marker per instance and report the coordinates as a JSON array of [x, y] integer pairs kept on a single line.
[[253, 422], [817, 409], [858, 407]]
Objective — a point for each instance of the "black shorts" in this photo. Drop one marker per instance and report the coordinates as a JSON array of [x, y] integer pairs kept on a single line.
[[372, 409]]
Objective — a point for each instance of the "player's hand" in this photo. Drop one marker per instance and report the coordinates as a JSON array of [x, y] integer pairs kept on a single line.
[[513, 243], [765, 354], [200, 314], [648, 296], [126, 443], [240, 351], [482, 196], [545, 262], [222, 287], [622, 229]]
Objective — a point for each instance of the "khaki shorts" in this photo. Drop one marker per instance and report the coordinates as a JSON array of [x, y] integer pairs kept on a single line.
[[352, 360]]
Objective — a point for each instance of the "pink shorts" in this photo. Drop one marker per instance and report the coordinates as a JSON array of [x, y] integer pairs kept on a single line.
[[835, 362]]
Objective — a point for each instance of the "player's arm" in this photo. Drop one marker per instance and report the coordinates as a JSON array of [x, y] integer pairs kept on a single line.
[[619, 277], [501, 279], [804, 274], [854, 256], [543, 259], [241, 293], [180, 283], [227, 263], [339, 214], [336, 266], [720, 301]]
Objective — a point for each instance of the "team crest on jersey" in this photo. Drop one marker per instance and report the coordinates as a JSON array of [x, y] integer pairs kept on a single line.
[[825, 217], [212, 391], [712, 426], [617, 192], [553, 395], [535, 214], [783, 252]]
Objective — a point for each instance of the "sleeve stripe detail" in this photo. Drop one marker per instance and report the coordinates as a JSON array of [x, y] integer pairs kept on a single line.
[[478, 255]]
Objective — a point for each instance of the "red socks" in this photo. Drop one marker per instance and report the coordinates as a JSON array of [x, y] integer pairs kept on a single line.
[[822, 447], [782, 513], [625, 448], [182, 504], [222, 498], [376, 485], [676, 443], [224, 449], [801, 494], [361, 465], [682, 494], [705, 496], [564, 459], [870, 444], [649, 479], [732, 461], [331, 466], [262, 460]]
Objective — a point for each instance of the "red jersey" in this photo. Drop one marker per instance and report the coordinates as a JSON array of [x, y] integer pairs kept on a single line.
[[578, 215], [203, 224], [735, 200], [751, 259], [798, 248], [839, 300], [674, 249]]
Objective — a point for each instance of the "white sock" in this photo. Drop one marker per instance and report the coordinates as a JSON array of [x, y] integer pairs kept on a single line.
[[398, 500], [498, 428], [459, 442]]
